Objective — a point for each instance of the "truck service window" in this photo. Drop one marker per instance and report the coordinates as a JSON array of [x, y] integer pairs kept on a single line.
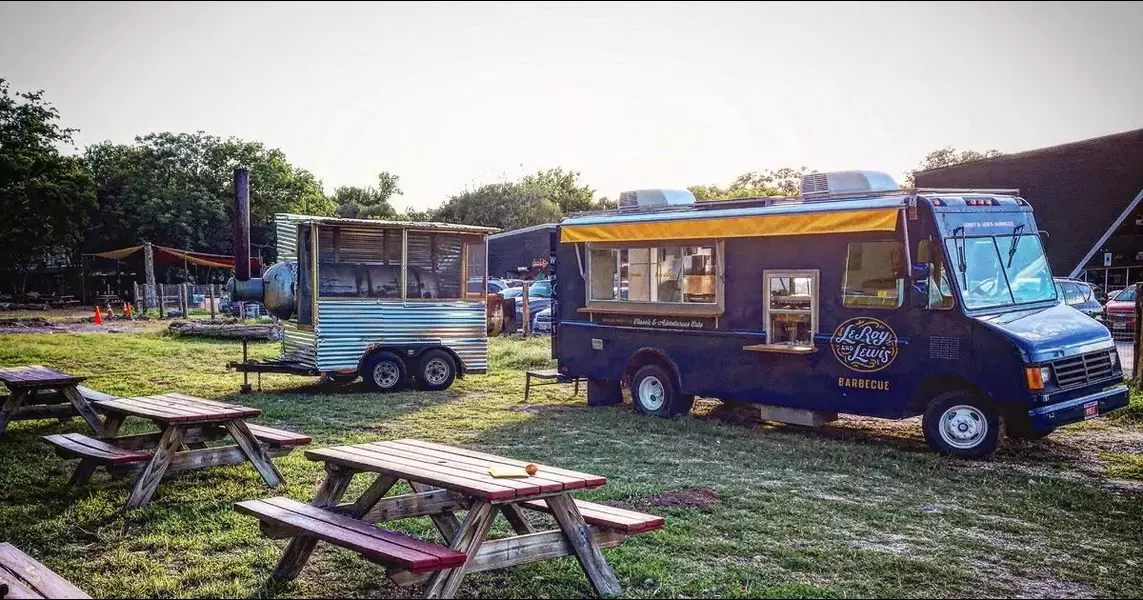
[[663, 275], [791, 299], [874, 275]]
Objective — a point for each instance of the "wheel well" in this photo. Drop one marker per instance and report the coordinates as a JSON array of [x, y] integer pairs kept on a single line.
[[410, 354], [650, 356], [939, 384]]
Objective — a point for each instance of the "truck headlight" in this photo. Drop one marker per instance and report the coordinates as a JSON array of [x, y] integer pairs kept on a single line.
[[1037, 377], [1113, 354]]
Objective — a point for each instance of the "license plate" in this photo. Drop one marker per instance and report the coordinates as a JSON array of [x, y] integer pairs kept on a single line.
[[1119, 325], [1091, 410]]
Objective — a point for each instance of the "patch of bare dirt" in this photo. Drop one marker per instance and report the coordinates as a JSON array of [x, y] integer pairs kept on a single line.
[[686, 498]]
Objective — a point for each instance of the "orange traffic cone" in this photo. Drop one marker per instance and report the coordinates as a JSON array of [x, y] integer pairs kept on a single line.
[[126, 310], [98, 316]]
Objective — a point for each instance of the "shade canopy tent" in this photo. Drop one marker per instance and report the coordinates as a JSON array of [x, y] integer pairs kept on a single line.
[[176, 256]]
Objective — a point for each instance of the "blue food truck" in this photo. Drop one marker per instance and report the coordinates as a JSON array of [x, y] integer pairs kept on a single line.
[[854, 297]]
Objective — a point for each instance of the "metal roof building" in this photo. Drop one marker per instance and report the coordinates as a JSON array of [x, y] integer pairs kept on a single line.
[[1085, 194]]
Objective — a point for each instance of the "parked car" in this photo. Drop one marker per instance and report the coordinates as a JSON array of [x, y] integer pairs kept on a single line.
[[1120, 312], [543, 321], [538, 289], [535, 307], [495, 286], [1080, 296]]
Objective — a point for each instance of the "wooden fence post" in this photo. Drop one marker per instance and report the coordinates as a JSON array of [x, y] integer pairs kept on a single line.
[[525, 311], [162, 300], [210, 291]]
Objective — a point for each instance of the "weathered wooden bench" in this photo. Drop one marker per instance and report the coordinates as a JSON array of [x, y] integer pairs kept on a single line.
[[606, 517], [21, 576], [125, 453], [548, 377], [381, 546]]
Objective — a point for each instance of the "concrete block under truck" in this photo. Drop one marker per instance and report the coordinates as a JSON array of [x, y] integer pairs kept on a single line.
[[854, 297], [384, 300]]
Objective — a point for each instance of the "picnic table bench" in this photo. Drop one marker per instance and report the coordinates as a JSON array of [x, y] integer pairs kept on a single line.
[[21, 576], [445, 480], [548, 377], [186, 425], [37, 392]]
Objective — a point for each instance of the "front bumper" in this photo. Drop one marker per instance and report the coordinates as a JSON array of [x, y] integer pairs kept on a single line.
[[1051, 416]]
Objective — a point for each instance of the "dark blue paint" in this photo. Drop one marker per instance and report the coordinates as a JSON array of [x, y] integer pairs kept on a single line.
[[994, 346]]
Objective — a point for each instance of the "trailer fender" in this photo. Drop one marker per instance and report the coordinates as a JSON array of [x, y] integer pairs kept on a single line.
[[645, 356], [411, 352]]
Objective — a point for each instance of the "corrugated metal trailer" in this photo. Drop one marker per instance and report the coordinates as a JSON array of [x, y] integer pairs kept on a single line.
[[384, 300]]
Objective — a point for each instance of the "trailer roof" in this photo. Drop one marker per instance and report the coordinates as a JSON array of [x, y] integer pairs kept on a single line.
[[384, 224]]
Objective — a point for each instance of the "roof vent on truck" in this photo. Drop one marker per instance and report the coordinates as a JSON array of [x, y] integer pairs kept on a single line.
[[657, 198], [846, 183]]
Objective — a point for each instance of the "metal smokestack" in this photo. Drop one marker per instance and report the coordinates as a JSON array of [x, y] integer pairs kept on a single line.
[[242, 224]]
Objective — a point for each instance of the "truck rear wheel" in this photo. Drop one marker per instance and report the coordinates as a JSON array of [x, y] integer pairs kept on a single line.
[[653, 392], [961, 424], [385, 372]]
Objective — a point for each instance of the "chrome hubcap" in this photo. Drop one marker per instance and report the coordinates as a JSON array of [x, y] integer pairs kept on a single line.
[[652, 395], [386, 375], [436, 372], [963, 427]]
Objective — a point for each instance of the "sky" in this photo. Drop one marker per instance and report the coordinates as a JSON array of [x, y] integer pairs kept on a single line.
[[632, 95]]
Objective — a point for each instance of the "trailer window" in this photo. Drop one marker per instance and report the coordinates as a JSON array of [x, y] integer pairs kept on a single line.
[[791, 299], [662, 275], [874, 275]]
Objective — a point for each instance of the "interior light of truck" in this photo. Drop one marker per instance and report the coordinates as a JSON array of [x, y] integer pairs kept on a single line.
[[1036, 377]]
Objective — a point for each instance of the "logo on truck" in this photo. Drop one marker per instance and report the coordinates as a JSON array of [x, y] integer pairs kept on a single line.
[[864, 344]]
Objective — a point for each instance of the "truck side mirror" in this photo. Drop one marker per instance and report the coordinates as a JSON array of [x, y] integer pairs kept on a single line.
[[921, 272]]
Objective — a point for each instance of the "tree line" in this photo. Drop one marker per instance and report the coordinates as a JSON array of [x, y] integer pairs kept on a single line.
[[175, 189]]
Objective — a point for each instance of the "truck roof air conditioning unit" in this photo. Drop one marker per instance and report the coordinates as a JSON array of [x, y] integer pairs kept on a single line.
[[642, 199], [846, 183]]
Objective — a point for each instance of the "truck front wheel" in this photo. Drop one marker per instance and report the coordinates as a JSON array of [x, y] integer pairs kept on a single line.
[[961, 424]]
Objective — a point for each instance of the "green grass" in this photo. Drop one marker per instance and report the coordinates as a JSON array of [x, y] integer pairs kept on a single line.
[[845, 512]]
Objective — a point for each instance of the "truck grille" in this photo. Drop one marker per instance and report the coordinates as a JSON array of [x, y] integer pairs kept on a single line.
[[1086, 368]]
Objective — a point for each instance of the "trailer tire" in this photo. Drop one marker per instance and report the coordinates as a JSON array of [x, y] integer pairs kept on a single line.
[[653, 392], [385, 372], [436, 370], [961, 423]]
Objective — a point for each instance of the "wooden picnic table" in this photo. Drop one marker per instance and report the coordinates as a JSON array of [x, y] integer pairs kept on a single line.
[[22, 576], [37, 392], [445, 480], [182, 420]]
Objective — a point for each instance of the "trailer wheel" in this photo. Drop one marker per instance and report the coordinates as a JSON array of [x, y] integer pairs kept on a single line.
[[961, 424], [385, 372], [436, 370], [653, 392]]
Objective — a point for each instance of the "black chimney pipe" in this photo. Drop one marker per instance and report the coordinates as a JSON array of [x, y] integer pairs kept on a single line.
[[242, 224]]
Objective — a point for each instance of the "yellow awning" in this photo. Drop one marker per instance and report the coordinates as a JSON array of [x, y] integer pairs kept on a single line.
[[851, 221]]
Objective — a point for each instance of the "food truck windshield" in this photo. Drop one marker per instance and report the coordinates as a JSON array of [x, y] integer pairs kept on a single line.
[[999, 271]]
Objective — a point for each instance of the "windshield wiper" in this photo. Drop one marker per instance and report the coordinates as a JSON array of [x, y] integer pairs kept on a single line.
[[1015, 240], [961, 265]]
